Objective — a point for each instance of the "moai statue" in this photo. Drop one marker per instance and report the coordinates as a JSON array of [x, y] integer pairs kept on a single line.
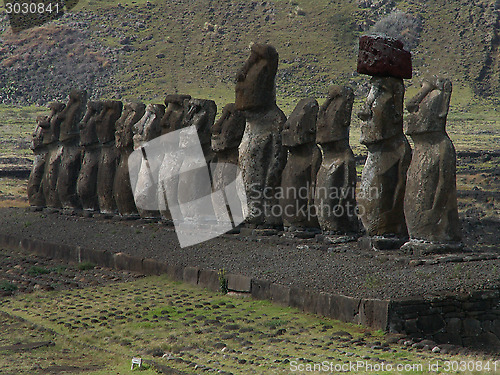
[[87, 180], [383, 180], [193, 184], [36, 197], [335, 195], [431, 193], [71, 152], [122, 189], [110, 156], [173, 119], [146, 188], [54, 154], [226, 137], [299, 176], [262, 156], [175, 111]]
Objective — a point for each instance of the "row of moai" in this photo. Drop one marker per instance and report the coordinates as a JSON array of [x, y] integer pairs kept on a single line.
[[298, 172]]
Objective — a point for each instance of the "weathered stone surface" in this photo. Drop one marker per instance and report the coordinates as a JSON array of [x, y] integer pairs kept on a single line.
[[146, 188], [176, 108], [345, 308], [383, 180], [86, 185], [191, 275], [431, 194], [335, 191], [36, 197], [374, 313], [261, 289], [201, 114], [122, 190], [239, 283], [209, 279], [299, 175], [280, 294], [383, 56], [71, 158], [255, 82], [109, 157]]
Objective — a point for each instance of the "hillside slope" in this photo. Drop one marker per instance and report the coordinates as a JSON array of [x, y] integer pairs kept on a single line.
[[146, 49]]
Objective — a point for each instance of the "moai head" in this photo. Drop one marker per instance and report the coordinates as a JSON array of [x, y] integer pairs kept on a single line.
[[300, 128], [174, 113], [42, 123], [255, 82], [148, 127], [334, 116], [111, 112], [88, 134], [132, 113], [429, 108], [383, 111], [72, 114], [228, 130], [201, 113], [53, 125]]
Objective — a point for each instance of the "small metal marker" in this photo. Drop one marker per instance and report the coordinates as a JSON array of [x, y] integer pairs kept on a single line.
[[136, 361]]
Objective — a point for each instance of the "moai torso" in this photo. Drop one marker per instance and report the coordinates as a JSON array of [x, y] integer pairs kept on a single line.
[[71, 154], [299, 176], [36, 197], [335, 195], [122, 189], [87, 180], [262, 157], [146, 187], [431, 195], [53, 160], [226, 137], [383, 179], [109, 157]]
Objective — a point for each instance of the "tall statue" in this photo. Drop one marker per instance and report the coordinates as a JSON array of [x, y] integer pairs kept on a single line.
[[122, 189], [36, 197], [335, 195], [71, 152], [110, 156], [175, 111], [55, 150], [87, 180], [299, 176], [262, 156], [383, 181], [431, 193]]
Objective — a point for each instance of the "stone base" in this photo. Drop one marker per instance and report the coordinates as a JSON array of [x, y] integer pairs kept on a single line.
[[378, 243], [334, 239], [51, 210], [35, 208], [419, 247]]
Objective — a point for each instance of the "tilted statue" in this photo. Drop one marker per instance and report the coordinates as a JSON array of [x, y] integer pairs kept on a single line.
[[431, 193], [55, 150], [122, 189], [299, 176], [335, 195], [262, 156], [87, 180], [71, 152], [36, 198], [110, 156]]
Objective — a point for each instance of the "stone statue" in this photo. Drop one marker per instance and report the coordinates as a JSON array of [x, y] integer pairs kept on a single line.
[[299, 176], [110, 156], [262, 157], [55, 150], [431, 193], [335, 195], [146, 188], [122, 189], [87, 180], [383, 180], [36, 197], [175, 111], [226, 137], [71, 152]]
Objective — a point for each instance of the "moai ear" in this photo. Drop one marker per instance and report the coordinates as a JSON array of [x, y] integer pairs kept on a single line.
[[445, 104], [398, 92]]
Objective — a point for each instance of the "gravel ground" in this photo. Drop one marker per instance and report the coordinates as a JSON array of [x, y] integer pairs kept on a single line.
[[342, 269]]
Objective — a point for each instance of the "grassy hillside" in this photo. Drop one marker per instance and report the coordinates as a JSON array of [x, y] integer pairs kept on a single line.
[[144, 50]]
